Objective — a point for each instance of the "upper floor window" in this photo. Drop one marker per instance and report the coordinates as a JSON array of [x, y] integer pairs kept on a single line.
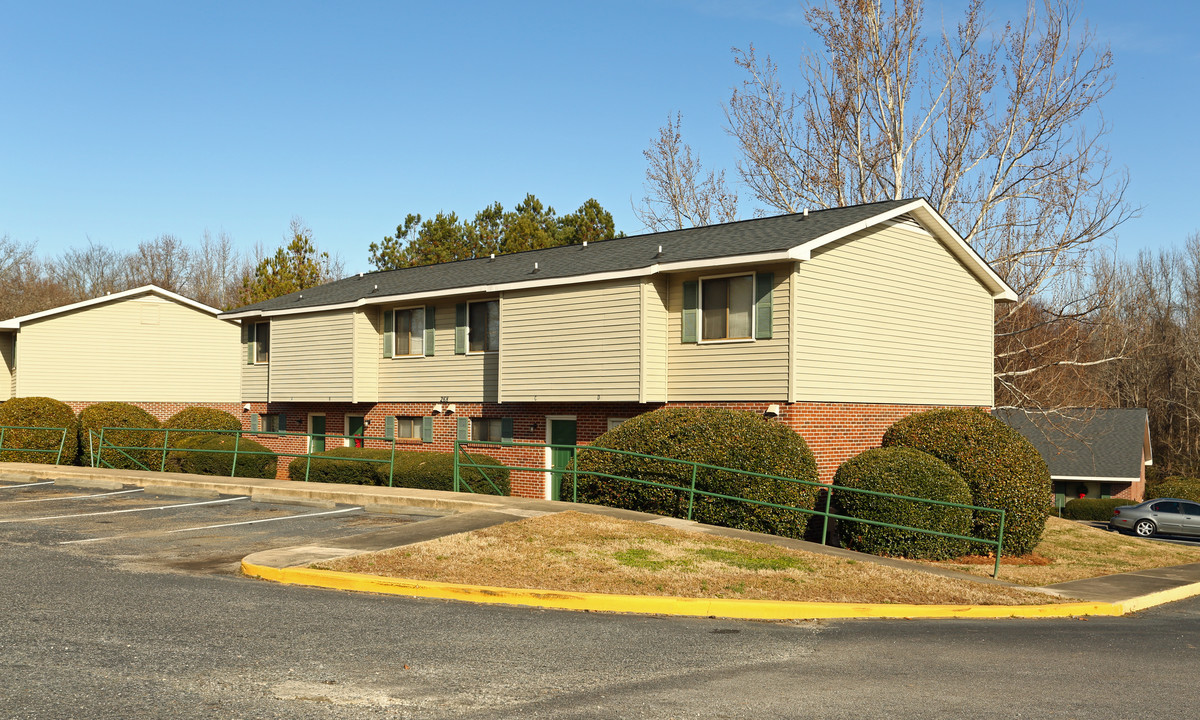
[[483, 325], [410, 332], [727, 308], [262, 342]]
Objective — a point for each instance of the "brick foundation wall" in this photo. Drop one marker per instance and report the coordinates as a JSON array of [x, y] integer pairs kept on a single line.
[[163, 410], [834, 431]]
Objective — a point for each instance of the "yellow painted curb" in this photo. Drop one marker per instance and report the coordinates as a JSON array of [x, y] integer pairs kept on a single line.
[[658, 605], [1160, 598]]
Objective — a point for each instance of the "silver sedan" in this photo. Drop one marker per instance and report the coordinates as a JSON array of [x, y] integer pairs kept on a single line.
[[1161, 516]]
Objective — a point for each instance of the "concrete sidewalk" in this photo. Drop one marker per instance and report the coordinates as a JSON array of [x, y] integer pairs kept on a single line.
[[461, 512]]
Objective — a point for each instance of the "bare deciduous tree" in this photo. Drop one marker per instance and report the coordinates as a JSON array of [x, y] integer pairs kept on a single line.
[[990, 124], [679, 193], [164, 261]]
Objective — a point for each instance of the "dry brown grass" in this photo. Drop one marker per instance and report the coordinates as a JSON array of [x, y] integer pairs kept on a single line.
[[591, 553], [1074, 551]]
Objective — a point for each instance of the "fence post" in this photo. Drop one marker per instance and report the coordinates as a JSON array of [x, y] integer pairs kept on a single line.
[[392, 464], [456, 468], [825, 528], [237, 443], [575, 474], [100, 450], [91, 455], [61, 443], [163, 465], [692, 493], [999, 546], [2, 436], [308, 459]]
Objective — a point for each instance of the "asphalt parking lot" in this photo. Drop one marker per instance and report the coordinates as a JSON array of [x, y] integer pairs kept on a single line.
[[157, 529]]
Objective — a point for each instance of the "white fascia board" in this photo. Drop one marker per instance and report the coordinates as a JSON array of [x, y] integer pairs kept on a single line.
[[961, 248], [1094, 479], [153, 289], [10, 325], [657, 268]]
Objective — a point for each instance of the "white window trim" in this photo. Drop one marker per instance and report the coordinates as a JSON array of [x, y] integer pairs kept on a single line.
[[396, 334], [415, 421], [546, 478], [471, 427], [308, 429], [482, 352], [346, 429], [269, 333], [700, 340]]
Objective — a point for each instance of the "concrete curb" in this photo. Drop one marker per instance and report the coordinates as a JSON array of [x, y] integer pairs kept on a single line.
[[657, 605]]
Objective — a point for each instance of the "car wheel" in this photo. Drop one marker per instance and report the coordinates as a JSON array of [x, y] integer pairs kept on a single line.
[[1144, 528]]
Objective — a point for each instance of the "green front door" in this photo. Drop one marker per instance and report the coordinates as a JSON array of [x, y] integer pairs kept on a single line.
[[562, 432], [317, 434], [357, 428]]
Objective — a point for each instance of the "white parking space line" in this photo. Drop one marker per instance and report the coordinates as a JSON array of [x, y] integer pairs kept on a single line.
[[209, 527], [72, 497], [36, 484], [129, 510], [266, 520]]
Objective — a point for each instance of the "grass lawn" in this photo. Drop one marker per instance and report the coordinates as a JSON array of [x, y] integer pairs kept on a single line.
[[1073, 551], [592, 553]]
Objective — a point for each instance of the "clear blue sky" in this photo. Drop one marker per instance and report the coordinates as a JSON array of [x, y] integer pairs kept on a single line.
[[121, 121]]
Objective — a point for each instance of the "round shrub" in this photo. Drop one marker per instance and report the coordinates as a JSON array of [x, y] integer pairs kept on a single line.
[[41, 412], [902, 471], [1093, 508], [200, 418], [1182, 488], [191, 457], [143, 449], [726, 438], [412, 469], [1002, 468]]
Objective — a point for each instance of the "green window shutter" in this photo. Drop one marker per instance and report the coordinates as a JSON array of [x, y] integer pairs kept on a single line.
[[506, 431], [389, 428], [430, 322], [427, 429], [463, 429], [691, 308], [254, 423], [460, 329], [389, 333], [763, 318], [248, 332]]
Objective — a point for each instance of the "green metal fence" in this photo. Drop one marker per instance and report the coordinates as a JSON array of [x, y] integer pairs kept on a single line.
[[97, 445], [62, 440], [692, 491]]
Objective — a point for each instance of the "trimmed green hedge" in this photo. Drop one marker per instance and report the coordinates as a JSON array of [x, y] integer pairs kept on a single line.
[[200, 418], [147, 452], [413, 469], [727, 438], [1093, 508], [903, 471], [1182, 488], [1002, 468], [191, 458], [39, 412]]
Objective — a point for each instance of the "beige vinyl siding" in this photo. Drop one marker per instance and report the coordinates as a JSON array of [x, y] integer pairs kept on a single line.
[[312, 357], [461, 378], [254, 380], [888, 315], [6, 352], [745, 370], [654, 340], [368, 328], [579, 343], [137, 349]]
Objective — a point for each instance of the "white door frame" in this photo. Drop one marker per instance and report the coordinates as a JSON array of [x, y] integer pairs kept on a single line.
[[309, 429], [546, 475], [346, 428]]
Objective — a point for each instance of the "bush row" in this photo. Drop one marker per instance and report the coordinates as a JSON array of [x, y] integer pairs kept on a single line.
[[1092, 508], [412, 469]]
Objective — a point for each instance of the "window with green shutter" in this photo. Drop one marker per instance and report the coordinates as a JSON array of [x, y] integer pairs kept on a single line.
[[460, 329], [389, 330], [691, 307], [262, 342], [430, 323], [764, 284], [427, 429]]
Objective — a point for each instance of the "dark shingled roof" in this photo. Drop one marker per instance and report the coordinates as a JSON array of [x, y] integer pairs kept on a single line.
[[746, 237], [1084, 442]]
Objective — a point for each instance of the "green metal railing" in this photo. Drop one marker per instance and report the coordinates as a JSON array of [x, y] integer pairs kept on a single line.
[[97, 445], [692, 491], [62, 440]]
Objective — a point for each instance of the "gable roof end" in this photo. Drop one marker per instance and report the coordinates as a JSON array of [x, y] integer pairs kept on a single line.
[[15, 323]]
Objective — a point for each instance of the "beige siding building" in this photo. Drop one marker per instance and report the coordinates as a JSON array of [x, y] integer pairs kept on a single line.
[[141, 346]]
